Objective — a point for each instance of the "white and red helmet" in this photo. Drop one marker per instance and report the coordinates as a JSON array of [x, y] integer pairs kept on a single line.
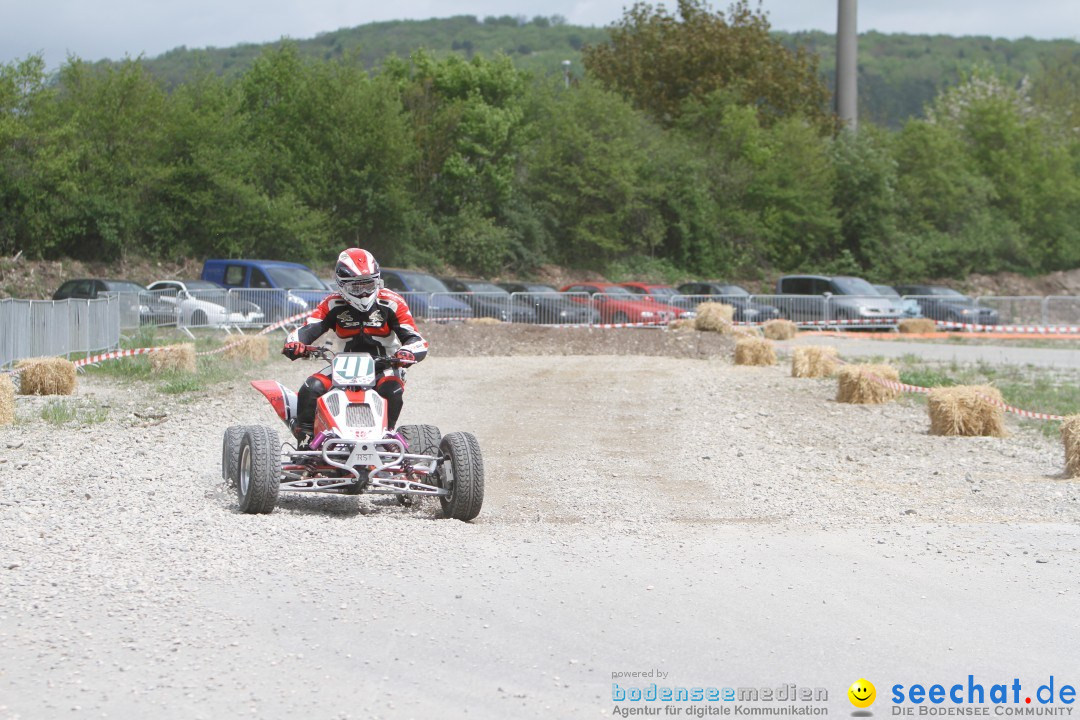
[[358, 278]]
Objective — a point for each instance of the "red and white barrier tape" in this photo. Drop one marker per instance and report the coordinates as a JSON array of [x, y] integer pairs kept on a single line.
[[1019, 329], [903, 387]]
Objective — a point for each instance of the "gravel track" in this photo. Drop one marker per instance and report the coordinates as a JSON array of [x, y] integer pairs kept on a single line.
[[731, 525]]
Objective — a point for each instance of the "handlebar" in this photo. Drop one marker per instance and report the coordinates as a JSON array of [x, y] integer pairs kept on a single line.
[[381, 363]]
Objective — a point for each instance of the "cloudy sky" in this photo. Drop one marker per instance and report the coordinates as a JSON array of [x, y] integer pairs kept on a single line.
[[95, 29]]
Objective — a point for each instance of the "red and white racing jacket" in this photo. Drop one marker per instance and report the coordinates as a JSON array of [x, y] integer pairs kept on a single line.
[[381, 331]]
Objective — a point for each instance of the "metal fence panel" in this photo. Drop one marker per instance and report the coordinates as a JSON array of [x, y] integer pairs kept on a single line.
[[628, 308], [556, 308], [1061, 310], [800, 309], [37, 328], [1013, 310]]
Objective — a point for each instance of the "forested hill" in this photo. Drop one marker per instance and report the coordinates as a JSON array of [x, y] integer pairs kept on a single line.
[[899, 74]]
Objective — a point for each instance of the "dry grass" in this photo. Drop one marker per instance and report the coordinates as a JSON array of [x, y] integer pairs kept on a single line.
[[46, 376], [1070, 435], [780, 329], [917, 326], [856, 384], [814, 362], [754, 351], [714, 317], [966, 410], [483, 321], [248, 348], [7, 400], [175, 358]]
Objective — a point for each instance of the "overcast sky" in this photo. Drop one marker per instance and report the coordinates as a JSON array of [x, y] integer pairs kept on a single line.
[[96, 29]]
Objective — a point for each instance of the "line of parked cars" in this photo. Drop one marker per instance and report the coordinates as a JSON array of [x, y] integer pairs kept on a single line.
[[253, 292]]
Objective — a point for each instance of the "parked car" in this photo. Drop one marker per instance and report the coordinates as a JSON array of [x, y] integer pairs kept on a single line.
[[426, 295], [199, 302], [839, 297], [910, 306], [280, 289], [136, 299], [552, 308], [616, 304], [489, 300], [746, 310], [942, 303], [663, 294]]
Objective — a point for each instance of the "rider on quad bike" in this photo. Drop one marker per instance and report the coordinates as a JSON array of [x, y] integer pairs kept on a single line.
[[365, 317]]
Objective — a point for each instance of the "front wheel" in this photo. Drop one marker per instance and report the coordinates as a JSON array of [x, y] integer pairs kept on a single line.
[[462, 474], [230, 453], [258, 470], [620, 318]]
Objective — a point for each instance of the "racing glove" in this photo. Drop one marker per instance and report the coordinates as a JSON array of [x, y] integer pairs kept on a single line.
[[294, 350], [403, 358]]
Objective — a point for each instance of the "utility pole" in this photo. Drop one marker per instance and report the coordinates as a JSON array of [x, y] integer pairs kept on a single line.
[[847, 48], [566, 73]]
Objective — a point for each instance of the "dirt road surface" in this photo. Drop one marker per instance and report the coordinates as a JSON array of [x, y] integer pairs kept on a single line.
[[727, 526]]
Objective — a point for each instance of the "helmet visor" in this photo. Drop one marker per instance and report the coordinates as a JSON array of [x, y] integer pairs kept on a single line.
[[359, 287]]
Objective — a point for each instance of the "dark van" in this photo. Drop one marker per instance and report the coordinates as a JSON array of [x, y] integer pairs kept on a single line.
[[280, 289]]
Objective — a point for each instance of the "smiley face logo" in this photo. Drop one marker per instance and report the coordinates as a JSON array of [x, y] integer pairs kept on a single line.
[[862, 693]]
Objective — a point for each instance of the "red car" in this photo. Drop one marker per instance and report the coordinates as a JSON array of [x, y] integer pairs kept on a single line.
[[616, 304], [663, 294]]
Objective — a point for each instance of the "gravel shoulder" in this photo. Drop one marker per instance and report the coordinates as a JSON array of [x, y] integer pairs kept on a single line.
[[730, 525]]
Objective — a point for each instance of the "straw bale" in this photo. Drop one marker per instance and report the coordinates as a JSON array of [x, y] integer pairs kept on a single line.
[[754, 351], [248, 348], [856, 384], [714, 317], [917, 326], [1070, 435], [7, 400], [175, 358], [780, 329], [814, 361], [46, 376], [966, 410]]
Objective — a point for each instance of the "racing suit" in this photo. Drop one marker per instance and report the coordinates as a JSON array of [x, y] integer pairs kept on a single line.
[[380, 332]]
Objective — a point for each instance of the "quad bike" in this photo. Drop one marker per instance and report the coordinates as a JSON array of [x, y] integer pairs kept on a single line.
[[353, 451]]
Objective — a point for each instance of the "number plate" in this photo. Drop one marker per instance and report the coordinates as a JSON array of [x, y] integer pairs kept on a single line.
[[353, 369]]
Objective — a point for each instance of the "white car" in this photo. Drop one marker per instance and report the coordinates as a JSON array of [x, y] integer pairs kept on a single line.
[[201, 303]]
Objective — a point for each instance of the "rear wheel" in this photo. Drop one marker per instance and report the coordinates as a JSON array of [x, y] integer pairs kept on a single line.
[[462, 474], [422, 440], [258, 470], [198, 318]]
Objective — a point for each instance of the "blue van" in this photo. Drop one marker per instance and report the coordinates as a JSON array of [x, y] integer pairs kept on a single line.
[[279, 288]]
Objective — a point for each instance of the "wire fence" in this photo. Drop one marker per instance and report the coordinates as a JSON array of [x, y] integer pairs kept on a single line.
[[30, 328]]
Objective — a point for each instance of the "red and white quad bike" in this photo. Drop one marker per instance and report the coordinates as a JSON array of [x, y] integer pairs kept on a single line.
[[352, 452]]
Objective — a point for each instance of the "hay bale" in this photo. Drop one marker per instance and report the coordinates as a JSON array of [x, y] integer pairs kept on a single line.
[[814, 362], [714, 317], [754, 351], [1070, 435], [917, 326], [857, 384], [483, 321], [175, 358], [248, 348], [966, 410], [46, 376], [780, 329], [7, 400], [745, 331], [682, 324]]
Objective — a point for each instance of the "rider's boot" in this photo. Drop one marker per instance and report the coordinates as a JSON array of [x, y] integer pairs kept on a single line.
[[303, 435]]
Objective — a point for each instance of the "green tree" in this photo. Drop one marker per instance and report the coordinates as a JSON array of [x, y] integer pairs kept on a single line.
[[660, 60]]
